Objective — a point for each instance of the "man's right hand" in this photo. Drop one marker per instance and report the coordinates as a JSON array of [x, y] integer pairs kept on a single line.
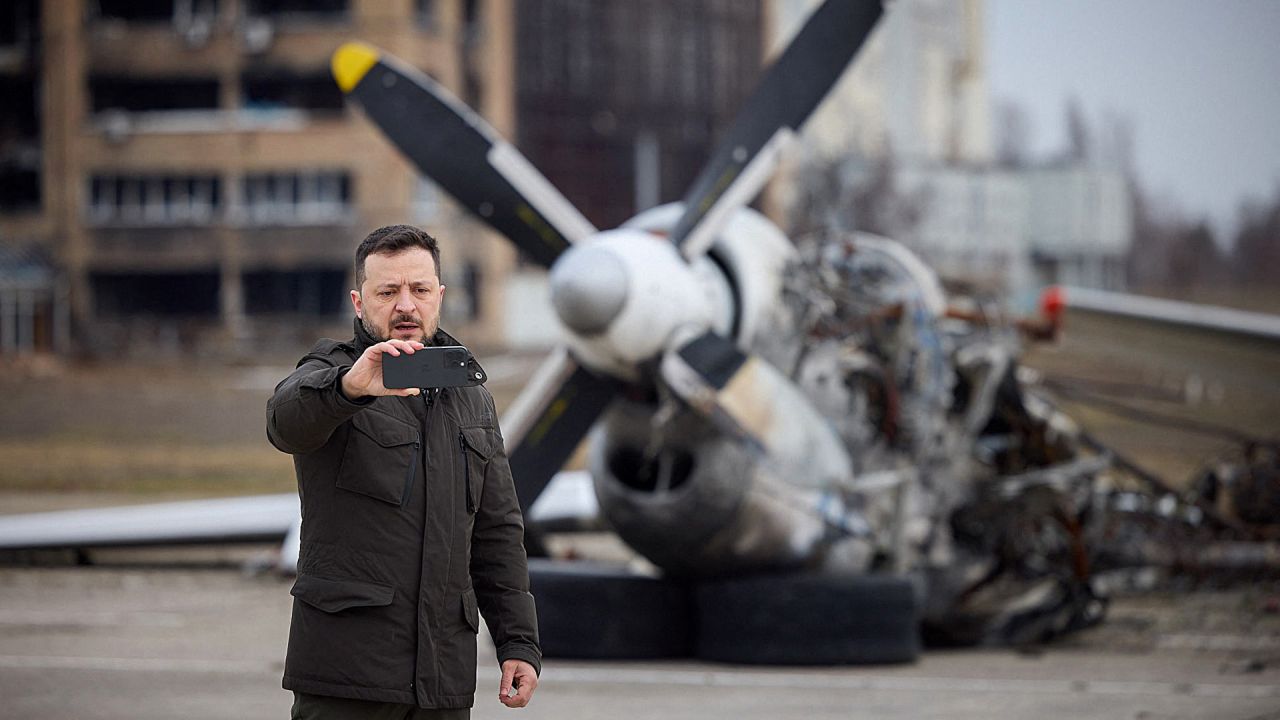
[[365, 376]]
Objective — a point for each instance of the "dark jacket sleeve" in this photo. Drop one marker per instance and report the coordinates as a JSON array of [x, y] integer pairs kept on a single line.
[[308, 405], [499, 568]]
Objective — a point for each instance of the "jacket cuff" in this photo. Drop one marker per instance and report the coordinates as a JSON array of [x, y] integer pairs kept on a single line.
[[338, 373], [521, 652]]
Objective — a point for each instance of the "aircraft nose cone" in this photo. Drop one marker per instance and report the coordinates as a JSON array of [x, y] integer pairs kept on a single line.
[[588, 288]]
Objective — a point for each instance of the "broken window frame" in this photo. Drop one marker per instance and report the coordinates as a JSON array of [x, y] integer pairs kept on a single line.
[[121, 295], [261, 94], [465, 282], [292, 198], [101, 109], [306, 14], [427, 15], [25, 32], [180, 13], [428, 202], [152, 200], [304, 291]]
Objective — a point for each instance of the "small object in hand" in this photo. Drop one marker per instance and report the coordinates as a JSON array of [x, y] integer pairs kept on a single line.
[[431, 367], [511, 691]]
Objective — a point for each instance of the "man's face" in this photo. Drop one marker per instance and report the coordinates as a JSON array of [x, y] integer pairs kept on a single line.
[[400, 297]]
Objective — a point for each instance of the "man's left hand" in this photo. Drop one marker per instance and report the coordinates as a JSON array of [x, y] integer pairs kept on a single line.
[[520, 675]]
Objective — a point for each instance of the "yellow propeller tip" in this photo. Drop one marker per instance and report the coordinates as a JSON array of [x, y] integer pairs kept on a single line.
[[351, 62]]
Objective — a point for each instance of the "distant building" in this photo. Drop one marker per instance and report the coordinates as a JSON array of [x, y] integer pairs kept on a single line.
[[620, 104], [1019, 230], [918, 88], [190, 170], [1080, 225], [918, 95], [973, 223]]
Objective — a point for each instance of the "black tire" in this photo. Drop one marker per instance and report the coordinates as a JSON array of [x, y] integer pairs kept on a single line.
[[808, 619], [604, 612]]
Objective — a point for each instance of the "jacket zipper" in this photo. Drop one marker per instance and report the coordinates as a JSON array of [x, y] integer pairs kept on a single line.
[[466, 472], [417, 445]]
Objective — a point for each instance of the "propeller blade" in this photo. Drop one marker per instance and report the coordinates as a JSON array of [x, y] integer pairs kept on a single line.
[[751, 400], [455, 147], [788, 93], [549, 418]]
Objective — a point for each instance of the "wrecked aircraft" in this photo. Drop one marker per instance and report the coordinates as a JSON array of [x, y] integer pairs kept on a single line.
[[814, 447]]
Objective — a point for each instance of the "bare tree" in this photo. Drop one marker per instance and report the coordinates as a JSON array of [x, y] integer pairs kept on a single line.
[[855, 193], [1171, 252], [1114, 144], [1077, 149], [1256, 253], [1194, 258], [1013, 135]]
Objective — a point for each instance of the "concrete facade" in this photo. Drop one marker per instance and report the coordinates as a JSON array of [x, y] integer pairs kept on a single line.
[[198, 163]]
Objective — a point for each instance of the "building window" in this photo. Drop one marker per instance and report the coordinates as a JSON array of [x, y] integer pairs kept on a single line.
[[132, 94], [296, 198], [464, 283], [306, 10], [151, 11], [154, 199], [19, 188], [19, 25], [270, 90], [132, 10], [317, 292], [472, 22], [20, 152], [426, 13], [126, 294], [428, 202]]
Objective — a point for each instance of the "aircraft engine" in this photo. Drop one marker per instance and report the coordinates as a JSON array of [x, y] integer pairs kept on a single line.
[[695, 502]]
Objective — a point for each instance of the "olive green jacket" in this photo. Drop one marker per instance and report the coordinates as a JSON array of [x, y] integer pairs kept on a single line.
[[410, 525]]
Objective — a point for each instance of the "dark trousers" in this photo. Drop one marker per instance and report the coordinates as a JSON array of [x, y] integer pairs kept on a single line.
[[320, 707]]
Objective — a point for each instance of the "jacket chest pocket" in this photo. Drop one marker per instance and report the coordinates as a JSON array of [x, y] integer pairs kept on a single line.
[[381, 458], [475, 445]]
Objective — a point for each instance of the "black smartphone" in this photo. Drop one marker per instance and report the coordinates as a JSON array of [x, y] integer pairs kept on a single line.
[[431, 367]]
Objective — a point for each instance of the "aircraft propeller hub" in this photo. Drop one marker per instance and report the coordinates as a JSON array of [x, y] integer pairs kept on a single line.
[[588, 288], [623, 295]]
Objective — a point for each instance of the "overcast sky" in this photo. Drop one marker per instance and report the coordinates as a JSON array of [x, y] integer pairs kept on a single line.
[[1200, 79]]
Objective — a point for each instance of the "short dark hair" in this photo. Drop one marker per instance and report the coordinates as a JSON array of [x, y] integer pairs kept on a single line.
[[392, 239]]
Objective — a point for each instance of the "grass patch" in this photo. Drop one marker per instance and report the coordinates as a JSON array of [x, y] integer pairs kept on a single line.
[[66, 464]]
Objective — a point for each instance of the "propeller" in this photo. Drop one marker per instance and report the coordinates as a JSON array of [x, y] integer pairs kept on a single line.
[[457, 149], [545, 423], [752, 400], [629, 301], [788, 93]]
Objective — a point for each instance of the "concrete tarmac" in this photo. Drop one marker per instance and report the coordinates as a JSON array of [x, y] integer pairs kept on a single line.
[[146, 642]]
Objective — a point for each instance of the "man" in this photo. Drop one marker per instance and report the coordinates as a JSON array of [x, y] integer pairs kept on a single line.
[[410, 522]]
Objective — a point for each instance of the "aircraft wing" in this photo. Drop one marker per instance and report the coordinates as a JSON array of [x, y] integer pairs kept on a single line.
[[569, 502], [261, 518], [1173, 312]]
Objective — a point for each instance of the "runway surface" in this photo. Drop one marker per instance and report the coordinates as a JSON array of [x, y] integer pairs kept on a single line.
[[148, 642]]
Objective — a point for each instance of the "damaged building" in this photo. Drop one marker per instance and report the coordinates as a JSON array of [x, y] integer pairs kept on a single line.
[[33, 299], [193, 161]]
